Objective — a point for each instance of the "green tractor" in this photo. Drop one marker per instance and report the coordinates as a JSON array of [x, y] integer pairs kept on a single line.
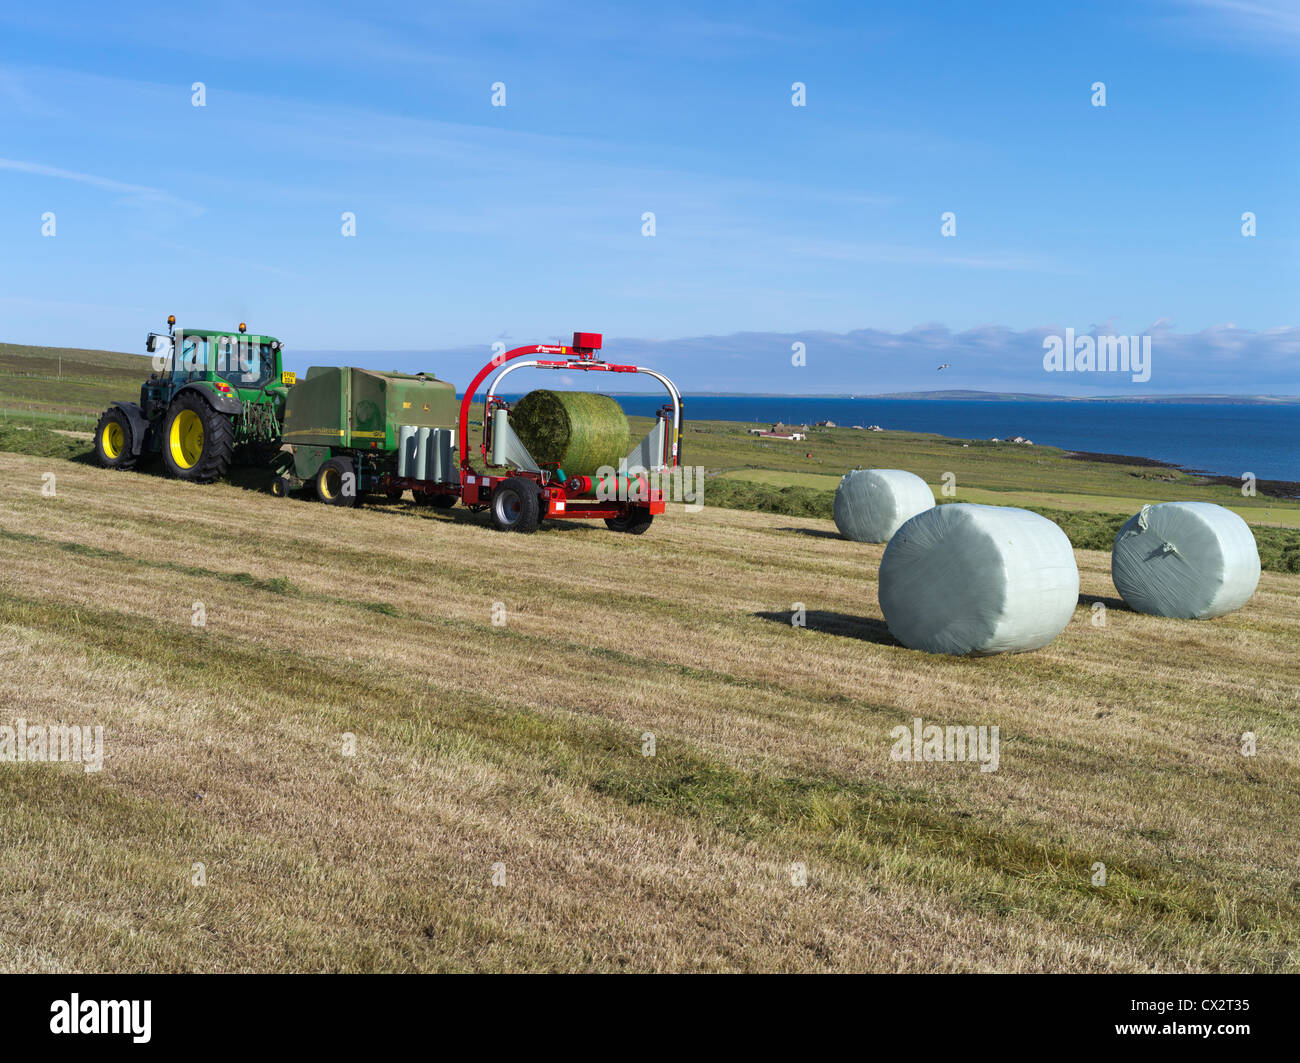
[[214, 400]]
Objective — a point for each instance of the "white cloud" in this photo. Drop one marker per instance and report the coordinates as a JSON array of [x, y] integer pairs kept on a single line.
[[134, 194], [1263, 23], [1221, 360]]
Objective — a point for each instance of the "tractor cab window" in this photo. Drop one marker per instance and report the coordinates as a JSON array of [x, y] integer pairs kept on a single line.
[[243, 363], [192, 361]]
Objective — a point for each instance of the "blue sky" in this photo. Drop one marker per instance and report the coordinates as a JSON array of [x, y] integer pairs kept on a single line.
[[477, 223]]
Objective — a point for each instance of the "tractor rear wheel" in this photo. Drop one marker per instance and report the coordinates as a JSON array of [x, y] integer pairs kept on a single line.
[[198, 444], [114, 440], [336, 483], [634, 523], [516, 505]]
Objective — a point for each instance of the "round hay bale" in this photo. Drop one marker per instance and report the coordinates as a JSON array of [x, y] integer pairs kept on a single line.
[[1191, 560], [968, 579], [872, 504], [576, 431]]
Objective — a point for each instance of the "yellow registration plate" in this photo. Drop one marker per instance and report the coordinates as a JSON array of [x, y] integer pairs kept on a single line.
[[288, 379]]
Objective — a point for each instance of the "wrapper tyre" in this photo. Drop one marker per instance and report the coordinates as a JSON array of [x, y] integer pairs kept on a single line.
[[634, 523], [430, 498], [516, 505]]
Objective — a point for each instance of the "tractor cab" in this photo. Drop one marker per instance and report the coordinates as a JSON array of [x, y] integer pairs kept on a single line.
[[247, 364]]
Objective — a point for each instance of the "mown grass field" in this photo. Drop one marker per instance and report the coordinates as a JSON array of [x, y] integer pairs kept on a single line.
[[502, 691], [519, 748]]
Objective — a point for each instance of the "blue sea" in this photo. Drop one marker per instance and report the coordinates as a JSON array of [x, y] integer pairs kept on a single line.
[[1216, 438]]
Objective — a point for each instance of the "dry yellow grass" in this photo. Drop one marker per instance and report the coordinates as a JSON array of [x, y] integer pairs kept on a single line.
[[519, 747]]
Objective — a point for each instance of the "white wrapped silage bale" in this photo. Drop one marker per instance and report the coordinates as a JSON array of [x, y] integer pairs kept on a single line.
[[872, 504], [964, 578], [1192, 560]]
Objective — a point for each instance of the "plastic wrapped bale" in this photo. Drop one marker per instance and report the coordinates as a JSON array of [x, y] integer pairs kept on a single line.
[[968, 579], [576, 431], [1191, 560], [872, 504]]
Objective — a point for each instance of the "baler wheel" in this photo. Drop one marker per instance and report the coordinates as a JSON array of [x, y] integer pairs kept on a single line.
[[113, 440], [336, 483], [635, 523], [516, 505]]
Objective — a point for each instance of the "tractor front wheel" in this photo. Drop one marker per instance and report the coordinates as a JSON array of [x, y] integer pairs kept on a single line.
[[516, 505], [336, 483], [198, 444], [114, 440]]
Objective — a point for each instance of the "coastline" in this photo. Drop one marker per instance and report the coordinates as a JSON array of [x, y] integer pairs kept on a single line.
[[1285, 489], [1211, 444]]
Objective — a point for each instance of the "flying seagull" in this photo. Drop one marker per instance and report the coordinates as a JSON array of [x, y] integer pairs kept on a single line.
[[946, 365]]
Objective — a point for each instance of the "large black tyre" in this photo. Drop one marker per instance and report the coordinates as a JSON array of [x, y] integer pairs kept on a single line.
[[635, 523], [516, 505], [429, 498], [114, 439], [198, 444], [336, 482]]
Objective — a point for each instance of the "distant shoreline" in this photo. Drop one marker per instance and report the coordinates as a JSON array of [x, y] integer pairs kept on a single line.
[[1286, 489]]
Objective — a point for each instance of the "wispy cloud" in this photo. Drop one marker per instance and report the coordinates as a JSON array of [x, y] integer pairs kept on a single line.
[[918, 256], [17, 98], [131, 194], [1262, 23], [1222, 359]]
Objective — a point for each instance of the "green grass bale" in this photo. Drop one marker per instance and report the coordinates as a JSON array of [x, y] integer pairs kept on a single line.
[[576, 431]]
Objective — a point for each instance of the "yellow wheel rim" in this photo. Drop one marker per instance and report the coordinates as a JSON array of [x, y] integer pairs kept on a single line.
[[113, 440], [186, 439], [331, 482]]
